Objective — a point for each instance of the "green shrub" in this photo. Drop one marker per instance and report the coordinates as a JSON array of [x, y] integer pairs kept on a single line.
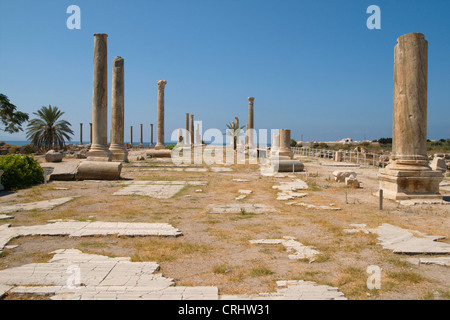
[[293, 143], [20, 172], [170, 146]]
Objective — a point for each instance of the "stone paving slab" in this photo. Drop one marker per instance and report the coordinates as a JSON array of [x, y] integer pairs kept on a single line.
[[156, 189], [107, 278], [85, 229], [441, 261], [239, 207], [405, 241], [221, 169], [298, 250], [294, 290], [40, 205], [314, 207], [5, 217], [4, 289], [240, 180]]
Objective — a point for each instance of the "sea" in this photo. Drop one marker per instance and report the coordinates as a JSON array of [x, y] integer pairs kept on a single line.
[[22, 143]]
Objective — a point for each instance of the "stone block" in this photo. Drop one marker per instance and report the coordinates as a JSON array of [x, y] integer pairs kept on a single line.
[[287, 166], [159, 153], [53, 156], [64, 172], [98, 170]]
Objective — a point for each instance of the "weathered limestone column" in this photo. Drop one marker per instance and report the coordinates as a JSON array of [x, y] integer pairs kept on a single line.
[[250, 127], [151, 135], [198, 139], [192, 130], [186, 127], [117, 147], [90, 133], [99, 149], [408, 175], [142, 136], [160, 116], [131, 136], [81, 134], [285, 144]]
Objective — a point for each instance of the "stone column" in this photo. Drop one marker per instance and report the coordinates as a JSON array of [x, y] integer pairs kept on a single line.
[[151, 135], [187, 136], [99, 149], [192, 130], [160, 116], [131, 136], [251, 126], [285, 144], [90, 133], [117, 147], [408, 175], [81, 134], [142, 136]]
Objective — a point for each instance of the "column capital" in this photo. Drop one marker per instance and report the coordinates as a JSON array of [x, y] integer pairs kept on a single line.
[[100, 35], [161, 84], [192, 116], [251, 99]]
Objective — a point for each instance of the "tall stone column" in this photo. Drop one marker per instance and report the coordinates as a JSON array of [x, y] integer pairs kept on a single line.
[[151, 135], [251, 127], [90, 133], [142, 136], [187, 136], [160, 115], [117, 147], [408, 175], [99, 149], [131, 136], [81, 134], [192, 130], [285, 144]]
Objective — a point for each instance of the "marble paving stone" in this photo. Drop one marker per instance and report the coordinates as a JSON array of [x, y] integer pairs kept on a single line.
[[240, 207], [85, 229], [5, 217], [221, 169], [297, 250], [405, 241], [240, 180], [118, 278], [40, 205], [314, 207], [156, 189]]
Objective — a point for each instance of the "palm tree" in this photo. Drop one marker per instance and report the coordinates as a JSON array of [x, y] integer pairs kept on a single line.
[[234, 131], [47, 131]]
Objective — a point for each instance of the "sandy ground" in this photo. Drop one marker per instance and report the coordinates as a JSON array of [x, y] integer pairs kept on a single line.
[[215, 249]]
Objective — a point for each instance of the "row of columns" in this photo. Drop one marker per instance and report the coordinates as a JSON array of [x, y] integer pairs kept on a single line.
[[117, 152]]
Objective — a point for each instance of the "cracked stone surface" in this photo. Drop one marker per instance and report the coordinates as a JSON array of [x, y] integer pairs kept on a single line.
[[289, 190], [40, 205], [101, 277], [155, 189], [220, 169], [294, 290], [297, 250], [84, 229], [441, 261], [238, 207], [314, 207], [405, 241]]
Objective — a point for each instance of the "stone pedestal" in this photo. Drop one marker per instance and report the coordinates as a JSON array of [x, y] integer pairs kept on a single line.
[[408, 175], [285, 151], [99, 149], [117, 147], [160, 116]]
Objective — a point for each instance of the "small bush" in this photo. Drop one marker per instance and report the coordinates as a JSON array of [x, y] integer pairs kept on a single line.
[[170, 146], [293, 143], [20, 172]]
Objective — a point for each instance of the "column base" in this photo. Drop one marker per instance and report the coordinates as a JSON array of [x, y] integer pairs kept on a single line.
[[410, 184], [119, 153], [160, 146], [99, 154]]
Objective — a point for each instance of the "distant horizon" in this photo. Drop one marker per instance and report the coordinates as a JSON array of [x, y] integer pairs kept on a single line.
[[312, 66]]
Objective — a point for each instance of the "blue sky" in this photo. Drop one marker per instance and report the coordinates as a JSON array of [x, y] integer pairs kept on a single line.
[[312, 66]]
